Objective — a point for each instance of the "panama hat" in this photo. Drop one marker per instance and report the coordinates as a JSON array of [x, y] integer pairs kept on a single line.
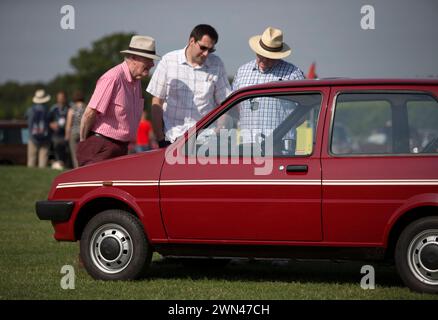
[[270, 44], [40, 96], [143, 46]]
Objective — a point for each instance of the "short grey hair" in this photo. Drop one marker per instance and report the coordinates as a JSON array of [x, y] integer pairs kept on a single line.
[[128, 56]]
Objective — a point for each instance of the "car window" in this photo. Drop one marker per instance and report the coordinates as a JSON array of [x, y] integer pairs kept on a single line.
[[423, 126], [11, 136], [276, 125], [384, 123]]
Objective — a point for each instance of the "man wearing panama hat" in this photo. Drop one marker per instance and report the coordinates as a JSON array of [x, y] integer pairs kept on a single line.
[[39, 134], [112, 116], [267, 67]]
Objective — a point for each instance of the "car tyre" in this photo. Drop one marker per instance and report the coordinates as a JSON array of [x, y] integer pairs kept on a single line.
[[114, 246], [416, 255]]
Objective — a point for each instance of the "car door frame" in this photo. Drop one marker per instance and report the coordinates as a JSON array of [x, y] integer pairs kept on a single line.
[[188, 228]]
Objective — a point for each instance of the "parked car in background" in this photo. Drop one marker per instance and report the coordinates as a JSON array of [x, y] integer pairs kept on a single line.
[[336, 169], [14, 135]]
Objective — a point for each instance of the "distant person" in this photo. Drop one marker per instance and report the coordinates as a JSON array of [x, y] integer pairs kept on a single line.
[[58, 119], [145, 135], [73, 124], [270, 50], [187, 84], [39, 133], [112, 116]]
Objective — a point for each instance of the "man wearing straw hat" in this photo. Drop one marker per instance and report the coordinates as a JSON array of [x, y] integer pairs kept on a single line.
[[112, 116], [39, 134], [269, 64], [267, 67]]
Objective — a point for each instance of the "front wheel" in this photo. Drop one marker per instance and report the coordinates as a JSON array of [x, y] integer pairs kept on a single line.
[[114, 246], [416, 255]]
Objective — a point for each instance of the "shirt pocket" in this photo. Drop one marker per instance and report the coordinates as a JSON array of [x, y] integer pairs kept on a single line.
[[121, 100], [121, 113], [205, 93], [210, 84]]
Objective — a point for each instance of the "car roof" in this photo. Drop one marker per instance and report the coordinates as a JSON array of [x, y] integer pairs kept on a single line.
[[332, 82], [343, 82]]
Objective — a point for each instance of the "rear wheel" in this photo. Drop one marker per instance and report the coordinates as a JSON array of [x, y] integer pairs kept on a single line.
[[416, 255], [114, 246]]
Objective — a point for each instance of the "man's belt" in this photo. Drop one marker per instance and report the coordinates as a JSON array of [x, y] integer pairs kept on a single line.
[[109, 139]]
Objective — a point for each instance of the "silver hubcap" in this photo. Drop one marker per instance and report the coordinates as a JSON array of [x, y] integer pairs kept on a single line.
[[423, 257], [111, 248]]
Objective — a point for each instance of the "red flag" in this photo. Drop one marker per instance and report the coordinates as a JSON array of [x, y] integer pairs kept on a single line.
[[312, 72]]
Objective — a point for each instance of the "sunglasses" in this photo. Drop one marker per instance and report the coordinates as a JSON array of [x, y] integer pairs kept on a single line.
[[204, 48]]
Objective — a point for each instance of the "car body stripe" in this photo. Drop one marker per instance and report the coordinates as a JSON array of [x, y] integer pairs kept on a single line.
[[249, 182], [113, 183], [380, 182]]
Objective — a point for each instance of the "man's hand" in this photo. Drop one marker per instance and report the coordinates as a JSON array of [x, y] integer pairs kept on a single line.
[[54, 126], [157, 118], [87, 123]]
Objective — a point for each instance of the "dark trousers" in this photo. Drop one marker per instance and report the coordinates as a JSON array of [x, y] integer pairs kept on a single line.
[[60, 150], [97, 148]]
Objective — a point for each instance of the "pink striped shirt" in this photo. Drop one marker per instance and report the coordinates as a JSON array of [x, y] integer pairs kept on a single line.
[[119, 104]]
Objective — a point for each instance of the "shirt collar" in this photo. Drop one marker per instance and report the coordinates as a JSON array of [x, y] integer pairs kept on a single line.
[[256, 68], [126, 71], [182, 59], [182, 56]]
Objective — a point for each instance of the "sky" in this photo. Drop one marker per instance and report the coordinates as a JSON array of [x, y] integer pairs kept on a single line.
[[403, 43]]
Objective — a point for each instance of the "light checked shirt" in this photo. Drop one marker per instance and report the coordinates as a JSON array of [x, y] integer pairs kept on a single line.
[[264, 114], [119, 104], [188, 92]]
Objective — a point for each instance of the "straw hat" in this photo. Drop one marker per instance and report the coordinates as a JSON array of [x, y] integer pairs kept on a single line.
[[270, 44], [40, 96], [143, 46]]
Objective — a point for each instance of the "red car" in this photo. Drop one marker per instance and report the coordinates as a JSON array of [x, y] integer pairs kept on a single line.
[[14, 135], [343, 169]]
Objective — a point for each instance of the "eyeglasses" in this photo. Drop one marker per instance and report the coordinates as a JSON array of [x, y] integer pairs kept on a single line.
[[204, 48]]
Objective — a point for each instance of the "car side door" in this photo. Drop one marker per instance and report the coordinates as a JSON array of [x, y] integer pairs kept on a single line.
[[236, 179], [381, 157]]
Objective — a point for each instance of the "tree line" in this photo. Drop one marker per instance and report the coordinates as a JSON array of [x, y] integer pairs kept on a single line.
[[88, 65]]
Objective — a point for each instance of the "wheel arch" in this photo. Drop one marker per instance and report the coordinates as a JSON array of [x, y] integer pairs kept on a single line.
[[94, 207], [403, 221]]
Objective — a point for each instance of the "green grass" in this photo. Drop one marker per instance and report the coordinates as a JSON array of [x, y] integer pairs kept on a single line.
[[31, 261]]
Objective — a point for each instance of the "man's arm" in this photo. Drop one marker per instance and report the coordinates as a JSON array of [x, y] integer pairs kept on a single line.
[[68, 124], [157, 118], [87, 122], [157, 87]]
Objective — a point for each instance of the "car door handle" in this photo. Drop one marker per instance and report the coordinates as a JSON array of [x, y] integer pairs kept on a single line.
[[297, 168]]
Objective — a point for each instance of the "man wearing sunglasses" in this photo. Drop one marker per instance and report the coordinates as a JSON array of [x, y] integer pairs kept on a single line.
[[186, 85]]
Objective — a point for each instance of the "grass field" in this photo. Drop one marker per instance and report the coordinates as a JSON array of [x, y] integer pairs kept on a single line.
[[31, 262]]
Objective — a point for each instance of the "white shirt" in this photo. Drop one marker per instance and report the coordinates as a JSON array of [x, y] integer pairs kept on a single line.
[[188, 92]]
